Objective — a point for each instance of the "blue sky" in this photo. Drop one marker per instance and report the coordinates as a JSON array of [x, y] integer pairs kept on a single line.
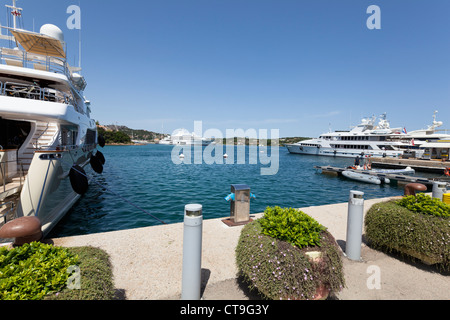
[[294, 65]]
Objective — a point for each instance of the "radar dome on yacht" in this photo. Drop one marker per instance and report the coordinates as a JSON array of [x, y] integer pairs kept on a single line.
[[52, 31]]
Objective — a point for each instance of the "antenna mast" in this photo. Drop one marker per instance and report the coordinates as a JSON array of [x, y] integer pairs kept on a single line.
[[16, 12], [79, 57]]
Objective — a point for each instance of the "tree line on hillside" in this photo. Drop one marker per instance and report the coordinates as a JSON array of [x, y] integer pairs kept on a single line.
[[114, 134], [114, 137]]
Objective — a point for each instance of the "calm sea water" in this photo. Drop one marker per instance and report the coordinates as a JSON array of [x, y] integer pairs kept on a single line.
[[146, 177]]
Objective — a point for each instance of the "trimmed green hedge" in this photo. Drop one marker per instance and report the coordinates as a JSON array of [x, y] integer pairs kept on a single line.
[[390, 227], [39, 271], [96, 277], [279, 270]]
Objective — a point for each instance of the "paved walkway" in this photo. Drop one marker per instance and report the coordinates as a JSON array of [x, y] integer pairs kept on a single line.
[[147, 262]]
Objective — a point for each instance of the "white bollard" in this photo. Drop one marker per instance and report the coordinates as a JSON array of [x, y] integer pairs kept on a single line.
[[355, 225], [192, 252], [439, 189]]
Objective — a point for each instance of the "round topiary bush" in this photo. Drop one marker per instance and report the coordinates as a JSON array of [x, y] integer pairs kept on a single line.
[[417, 227], [289, 255]]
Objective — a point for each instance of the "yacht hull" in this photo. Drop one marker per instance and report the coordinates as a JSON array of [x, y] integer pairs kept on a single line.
[[340, 153], [47, 192]]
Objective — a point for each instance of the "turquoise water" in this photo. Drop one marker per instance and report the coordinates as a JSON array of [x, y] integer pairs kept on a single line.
[[147, 177]]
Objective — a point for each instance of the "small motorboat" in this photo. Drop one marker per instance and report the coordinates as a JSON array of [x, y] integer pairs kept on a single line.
[[363, 177]]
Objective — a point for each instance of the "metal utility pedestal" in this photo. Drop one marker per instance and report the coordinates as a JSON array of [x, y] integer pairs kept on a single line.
[[240, 198]]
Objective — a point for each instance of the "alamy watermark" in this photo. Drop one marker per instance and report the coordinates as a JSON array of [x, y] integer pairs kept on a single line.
[[374, 279], [74, 280], [374, 21], [217, 153], [74, 20]]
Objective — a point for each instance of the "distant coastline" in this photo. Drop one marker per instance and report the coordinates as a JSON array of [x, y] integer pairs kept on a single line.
[[116, 135]]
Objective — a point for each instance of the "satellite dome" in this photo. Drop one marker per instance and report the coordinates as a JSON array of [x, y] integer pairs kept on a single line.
[[52, 31]]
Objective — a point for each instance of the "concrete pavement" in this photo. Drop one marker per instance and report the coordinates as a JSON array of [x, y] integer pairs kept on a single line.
[[147, 262]]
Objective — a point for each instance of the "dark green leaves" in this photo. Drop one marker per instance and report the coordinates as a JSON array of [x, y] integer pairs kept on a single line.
[[292, 226], [424, 204], [33, 271]]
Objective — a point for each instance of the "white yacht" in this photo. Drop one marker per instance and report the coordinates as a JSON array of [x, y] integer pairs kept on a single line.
[[47, 139], [183, 137], [366, 139], [431, 134]]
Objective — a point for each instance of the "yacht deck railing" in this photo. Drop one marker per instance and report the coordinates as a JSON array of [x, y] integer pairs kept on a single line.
[[34, 92], [19, 58], [23, 59]]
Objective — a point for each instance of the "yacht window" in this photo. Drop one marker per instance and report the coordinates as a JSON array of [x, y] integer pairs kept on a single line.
[[68, 136], [386, 147]]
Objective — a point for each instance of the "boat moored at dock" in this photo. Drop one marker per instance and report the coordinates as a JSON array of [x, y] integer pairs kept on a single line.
[[366, 139], [358, 176], [389, 177], [47, 138]]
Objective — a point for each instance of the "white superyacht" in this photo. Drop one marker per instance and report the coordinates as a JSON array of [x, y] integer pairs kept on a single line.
[[367, 139], [183, 137], [47, 139], [432, 133]]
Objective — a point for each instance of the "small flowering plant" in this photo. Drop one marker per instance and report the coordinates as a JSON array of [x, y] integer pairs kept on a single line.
[[278, 269]]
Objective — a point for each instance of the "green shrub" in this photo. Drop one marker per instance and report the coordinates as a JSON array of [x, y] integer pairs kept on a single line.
[[425, 204], [96, 277], [292, 226], [34, 270], [393, 228], [279, 270]]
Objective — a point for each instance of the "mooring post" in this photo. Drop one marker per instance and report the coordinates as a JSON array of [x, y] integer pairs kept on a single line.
[[355, 225], [439, 189], [192, 252]]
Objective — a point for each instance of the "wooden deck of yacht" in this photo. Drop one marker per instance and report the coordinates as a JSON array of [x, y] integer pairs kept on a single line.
[[8, 197], [11, 188]]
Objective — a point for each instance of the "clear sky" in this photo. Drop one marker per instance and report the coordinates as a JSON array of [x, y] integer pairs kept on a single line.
[[301, 66]]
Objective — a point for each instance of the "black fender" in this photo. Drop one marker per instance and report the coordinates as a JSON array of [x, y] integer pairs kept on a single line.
[[101, 141], [78, 180], [101, 157], [96, 164]]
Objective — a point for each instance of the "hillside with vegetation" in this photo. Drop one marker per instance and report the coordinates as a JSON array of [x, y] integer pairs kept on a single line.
[[114, 137], [115, 134], [119, 134]]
